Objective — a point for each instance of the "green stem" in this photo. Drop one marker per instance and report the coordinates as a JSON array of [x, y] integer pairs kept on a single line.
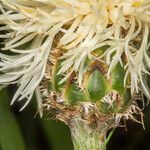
[[86, 139]]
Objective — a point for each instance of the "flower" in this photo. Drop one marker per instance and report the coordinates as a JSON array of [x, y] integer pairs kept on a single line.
[[30, 29]]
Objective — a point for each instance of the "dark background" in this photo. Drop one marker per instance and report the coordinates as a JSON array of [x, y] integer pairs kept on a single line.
[[24, 131]]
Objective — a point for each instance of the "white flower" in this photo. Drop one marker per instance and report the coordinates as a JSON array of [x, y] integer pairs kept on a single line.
[[30, 28]]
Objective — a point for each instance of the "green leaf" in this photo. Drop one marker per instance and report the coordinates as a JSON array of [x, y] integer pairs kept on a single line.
[[108, 138], [58, 135], [10, 134]]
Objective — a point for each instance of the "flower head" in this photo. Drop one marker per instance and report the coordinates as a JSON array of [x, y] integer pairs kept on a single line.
[[32, 30]]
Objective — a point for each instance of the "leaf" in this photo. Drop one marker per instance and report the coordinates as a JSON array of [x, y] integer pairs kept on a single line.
[[57, 134], [10, 133]]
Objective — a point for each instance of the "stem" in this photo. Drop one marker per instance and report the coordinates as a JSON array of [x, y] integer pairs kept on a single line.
[[85, 138]]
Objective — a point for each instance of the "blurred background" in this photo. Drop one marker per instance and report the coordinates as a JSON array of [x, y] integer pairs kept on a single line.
[[27, 131]]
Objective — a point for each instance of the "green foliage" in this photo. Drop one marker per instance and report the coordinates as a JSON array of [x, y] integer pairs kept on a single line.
[[21, 131], [57, 134], [10, 133]]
